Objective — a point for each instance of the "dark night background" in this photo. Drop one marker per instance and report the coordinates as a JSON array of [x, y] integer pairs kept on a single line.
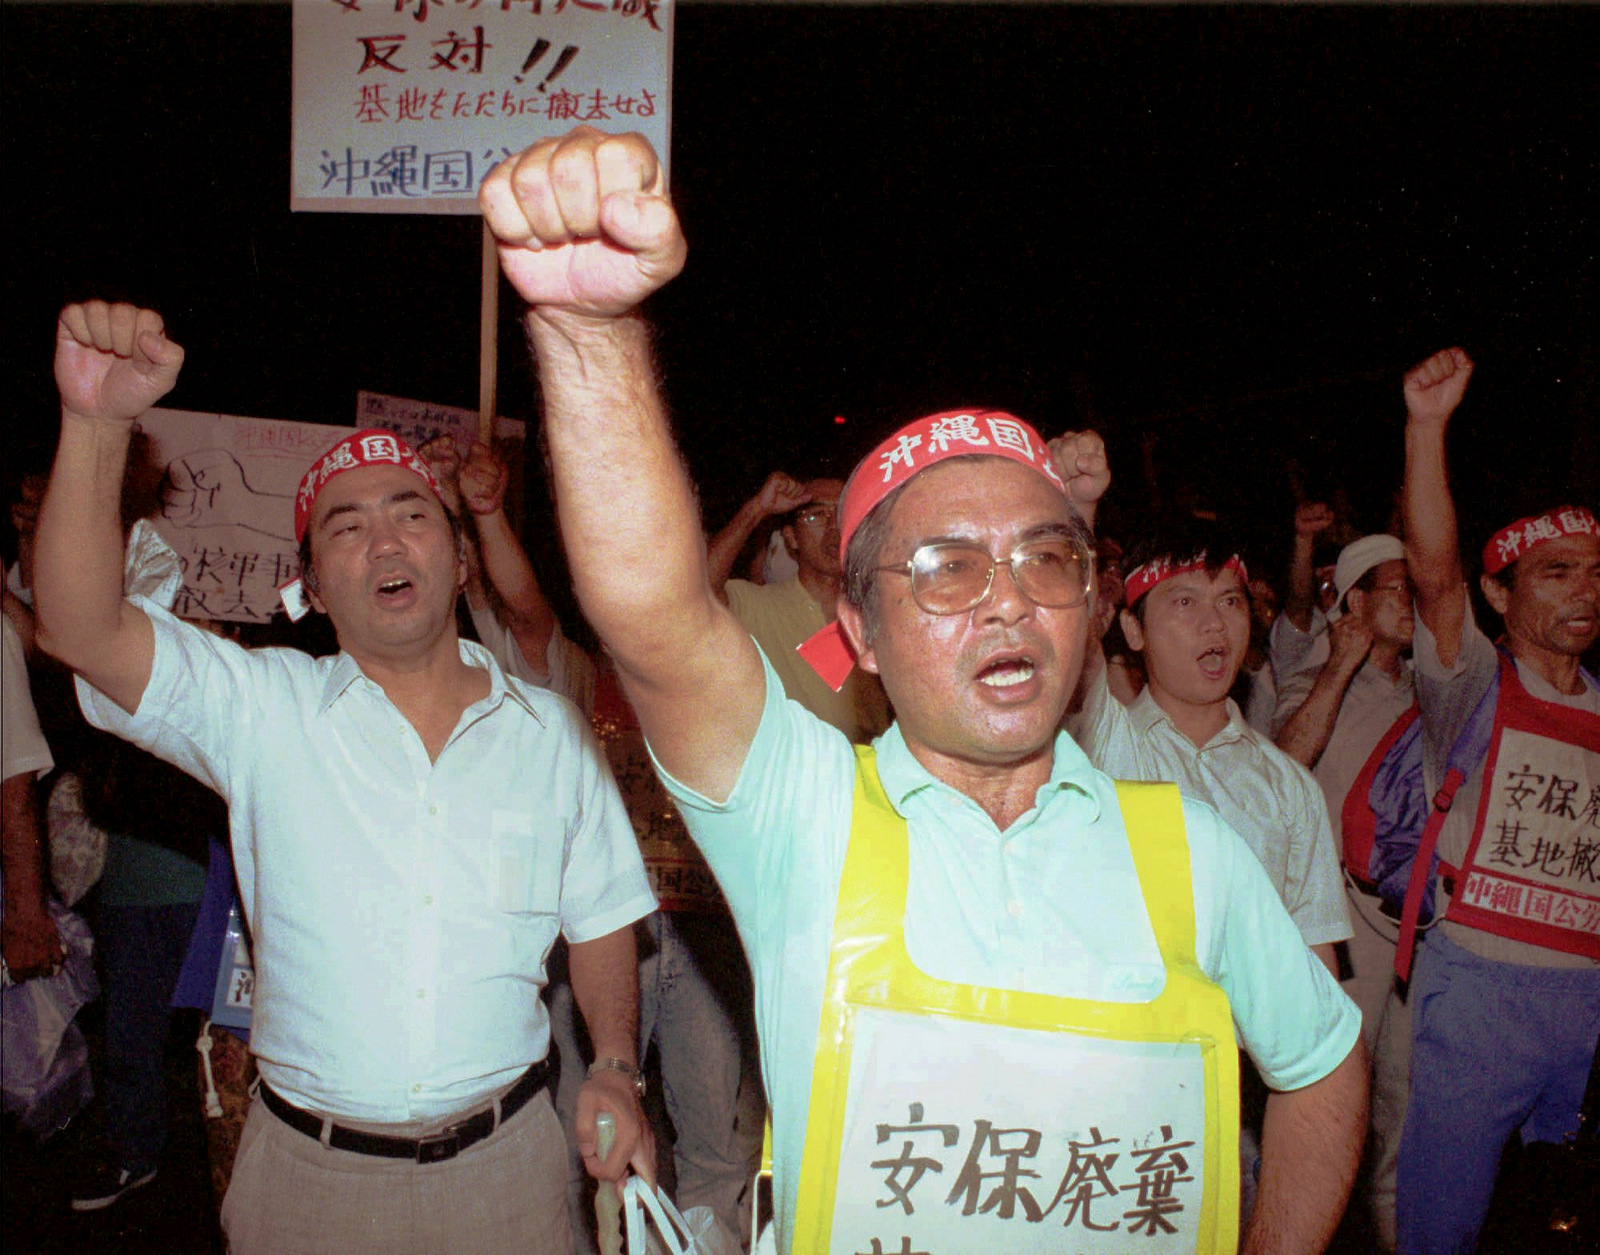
[[1219, 233], [1231, 228]]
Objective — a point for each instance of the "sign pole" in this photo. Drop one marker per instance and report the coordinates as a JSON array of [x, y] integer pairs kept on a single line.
[[488, 337]]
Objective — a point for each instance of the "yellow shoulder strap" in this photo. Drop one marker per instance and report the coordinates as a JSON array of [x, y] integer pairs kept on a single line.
[[1152, 815]]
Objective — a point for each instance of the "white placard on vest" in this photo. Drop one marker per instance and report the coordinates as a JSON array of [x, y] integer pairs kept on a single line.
[[1541, 823], [965, 1137]]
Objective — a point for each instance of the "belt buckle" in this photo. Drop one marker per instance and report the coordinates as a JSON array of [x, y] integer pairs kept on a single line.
[[439, 1147]]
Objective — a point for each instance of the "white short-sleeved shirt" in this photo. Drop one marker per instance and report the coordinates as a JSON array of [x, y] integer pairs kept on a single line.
[[1263, 794], [22, 745], [1051, 905], [401, 909], [1447, 697]]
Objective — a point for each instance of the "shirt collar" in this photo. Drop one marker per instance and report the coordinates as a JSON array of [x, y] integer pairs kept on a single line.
[[1146, 713], [346, 670], [902, 775]]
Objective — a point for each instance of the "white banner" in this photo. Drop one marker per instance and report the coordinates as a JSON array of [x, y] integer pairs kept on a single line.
[[227, 505], [418, 422], [228, 486], [404, 106]]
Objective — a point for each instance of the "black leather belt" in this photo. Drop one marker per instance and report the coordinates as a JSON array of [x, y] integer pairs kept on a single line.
[[436, 1147]]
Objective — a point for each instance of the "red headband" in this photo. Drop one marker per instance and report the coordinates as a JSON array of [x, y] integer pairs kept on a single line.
[[921, 444], [907, 453], [1510, 543], [1139, 581], [371, 447]]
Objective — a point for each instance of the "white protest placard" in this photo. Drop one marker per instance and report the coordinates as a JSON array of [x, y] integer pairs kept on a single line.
[[418, 422], [228, 487], [227, 505], [404, 106], [964, 1136]]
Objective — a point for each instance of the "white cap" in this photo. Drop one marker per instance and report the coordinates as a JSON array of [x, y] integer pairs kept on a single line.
[[1359, 557]]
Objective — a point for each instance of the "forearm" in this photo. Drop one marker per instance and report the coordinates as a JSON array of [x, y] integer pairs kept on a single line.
[[1297, 602], [722, 551], [1305, 734], [605, 982], [22, 847], [79, 546], [640, 572], [512, 577], [1310, 1148], [1433, 552]]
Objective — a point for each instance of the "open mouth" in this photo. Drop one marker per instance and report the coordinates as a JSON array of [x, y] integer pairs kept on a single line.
[[1214, 663], [398, 586], [1006, 673]]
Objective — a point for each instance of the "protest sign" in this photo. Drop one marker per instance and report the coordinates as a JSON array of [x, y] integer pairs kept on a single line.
[[228, 485], [404, 106]]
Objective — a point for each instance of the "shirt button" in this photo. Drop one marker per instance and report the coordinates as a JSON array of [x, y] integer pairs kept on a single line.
[[1014, 909], [427, 899], [416, 1089], [421, 994], [432, 809]]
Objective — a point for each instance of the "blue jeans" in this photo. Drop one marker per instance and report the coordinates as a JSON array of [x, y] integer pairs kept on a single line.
[[1497, 1049], [142, 948], [696, 1005]]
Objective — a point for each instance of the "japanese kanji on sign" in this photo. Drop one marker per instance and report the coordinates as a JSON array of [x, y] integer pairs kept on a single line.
[[404, 106]]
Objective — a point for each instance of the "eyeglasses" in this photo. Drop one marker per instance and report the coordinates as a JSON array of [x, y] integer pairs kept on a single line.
[[952, 577], [816, 515], [1404, 588]]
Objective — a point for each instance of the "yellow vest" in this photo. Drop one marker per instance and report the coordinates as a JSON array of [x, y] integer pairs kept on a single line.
[[949, 1119]]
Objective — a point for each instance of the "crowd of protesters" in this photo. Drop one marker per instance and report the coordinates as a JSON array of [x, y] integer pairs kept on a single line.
[[822, 828]]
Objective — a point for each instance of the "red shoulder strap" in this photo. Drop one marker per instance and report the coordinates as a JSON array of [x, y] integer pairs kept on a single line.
[[1420, 870]]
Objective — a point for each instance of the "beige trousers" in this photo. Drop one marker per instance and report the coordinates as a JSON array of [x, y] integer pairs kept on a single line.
[[292, 1195]]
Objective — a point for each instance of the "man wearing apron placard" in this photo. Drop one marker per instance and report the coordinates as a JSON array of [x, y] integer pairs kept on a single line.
[[997, 995], [1505, 991]]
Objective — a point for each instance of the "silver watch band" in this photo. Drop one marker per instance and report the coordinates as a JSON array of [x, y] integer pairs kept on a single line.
[[619, 1065]]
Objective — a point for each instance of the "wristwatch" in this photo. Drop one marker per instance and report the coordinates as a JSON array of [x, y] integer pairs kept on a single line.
[[623, 1066]]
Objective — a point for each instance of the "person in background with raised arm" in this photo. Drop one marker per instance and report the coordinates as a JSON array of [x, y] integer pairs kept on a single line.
[[1505, 991], [410, 832]]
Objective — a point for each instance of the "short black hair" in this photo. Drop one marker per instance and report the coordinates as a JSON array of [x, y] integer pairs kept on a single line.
[[1180, 540]]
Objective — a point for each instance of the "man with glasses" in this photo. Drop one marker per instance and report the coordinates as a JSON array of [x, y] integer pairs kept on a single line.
[[997, 996], [1331, 719], [783, 614]]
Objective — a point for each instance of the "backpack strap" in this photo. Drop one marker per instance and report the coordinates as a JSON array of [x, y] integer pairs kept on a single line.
[[1470, 749], [1422, 871], [1358, 819]]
